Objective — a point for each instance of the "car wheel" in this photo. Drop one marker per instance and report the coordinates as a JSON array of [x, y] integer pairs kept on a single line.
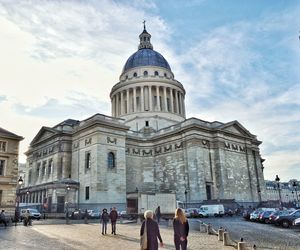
[[285, 223]]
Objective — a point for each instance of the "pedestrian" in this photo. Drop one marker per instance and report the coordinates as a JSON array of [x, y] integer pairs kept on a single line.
[[27, 218], [157, 214], [181, 229], [2, 218], [152, 232], [104, 218], [113, 219]]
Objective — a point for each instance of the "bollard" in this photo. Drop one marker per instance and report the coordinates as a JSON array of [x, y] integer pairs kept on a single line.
[[208, 228], [170, 223], [225, 239], [138, 221], [220, 234], [242, 246], [85, 220]]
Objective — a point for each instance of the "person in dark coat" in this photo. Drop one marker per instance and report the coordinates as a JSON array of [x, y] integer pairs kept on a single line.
[[152, 231], [181, 229], [157, 214], [113, 218], [105, 219]]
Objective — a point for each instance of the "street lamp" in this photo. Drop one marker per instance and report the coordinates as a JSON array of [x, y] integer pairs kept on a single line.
[[277, 179], [20, 182], [295, 188], [67, 205], [185, 194]]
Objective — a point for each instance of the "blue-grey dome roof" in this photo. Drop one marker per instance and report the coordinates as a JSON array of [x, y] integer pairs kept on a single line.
[[146, 57]]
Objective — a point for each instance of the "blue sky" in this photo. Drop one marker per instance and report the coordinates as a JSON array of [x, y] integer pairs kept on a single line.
[[238, 60]]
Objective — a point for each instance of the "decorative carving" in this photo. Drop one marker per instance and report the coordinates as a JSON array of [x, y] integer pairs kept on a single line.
[[50, 150], [147, 153], [242, 149], [88, 141], [180, 145], [204, 142], [227, 145], [76, 145], [235, 147], [169, 148], [127, 151], [157, 150], [109, 140], [136, 151]]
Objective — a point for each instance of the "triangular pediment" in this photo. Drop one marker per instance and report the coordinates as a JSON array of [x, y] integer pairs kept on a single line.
[[43, 134], [236, 128]]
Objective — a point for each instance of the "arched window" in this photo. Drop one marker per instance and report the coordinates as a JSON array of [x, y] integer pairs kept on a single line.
[[165, 74], [145, 73], [111, 160], [134, 74], [156, 73]]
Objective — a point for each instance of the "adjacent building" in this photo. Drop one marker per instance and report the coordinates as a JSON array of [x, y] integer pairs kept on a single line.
[[147, 145], [9, 155]]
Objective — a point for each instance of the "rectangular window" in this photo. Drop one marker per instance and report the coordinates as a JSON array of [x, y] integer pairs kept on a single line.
[[3, 146], [38, 170], [29, 176], [87, 193], [147, 124], [49, 166], [44, 168], [2, 165], [88, 160]]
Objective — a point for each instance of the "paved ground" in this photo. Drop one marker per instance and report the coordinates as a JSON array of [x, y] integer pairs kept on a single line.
[[264, 236], [87, 236]]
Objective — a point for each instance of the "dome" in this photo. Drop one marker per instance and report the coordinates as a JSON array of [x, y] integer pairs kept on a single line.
[[146, 57]]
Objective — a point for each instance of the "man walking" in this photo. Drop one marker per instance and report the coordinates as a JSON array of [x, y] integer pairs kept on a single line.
[[113, 218], [2, 218]]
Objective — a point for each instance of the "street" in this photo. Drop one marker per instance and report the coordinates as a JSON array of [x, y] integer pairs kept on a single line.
[[264, 236]]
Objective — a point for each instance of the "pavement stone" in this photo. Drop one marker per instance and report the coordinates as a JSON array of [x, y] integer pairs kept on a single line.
[[88, 236]]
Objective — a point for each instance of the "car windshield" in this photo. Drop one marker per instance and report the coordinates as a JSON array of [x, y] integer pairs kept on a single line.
[[33, 211]]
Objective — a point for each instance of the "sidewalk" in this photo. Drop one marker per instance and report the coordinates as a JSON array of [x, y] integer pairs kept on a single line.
[[88, 236]]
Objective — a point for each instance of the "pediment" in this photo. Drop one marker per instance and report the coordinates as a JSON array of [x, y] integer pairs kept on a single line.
[[236, 128], [43, 134]]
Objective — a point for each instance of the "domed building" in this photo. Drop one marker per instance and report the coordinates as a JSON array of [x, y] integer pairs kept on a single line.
[[146, 146]]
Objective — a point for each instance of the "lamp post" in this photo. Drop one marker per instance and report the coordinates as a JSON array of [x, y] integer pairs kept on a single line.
[[67, 205], [295, 188], [20, 182], [277, 179], [185, 194]]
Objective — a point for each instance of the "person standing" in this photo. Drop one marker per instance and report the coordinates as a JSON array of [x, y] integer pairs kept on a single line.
[[152, 231], [181, 229], [2, 218], [113, 218], [157, 214], [105, 219]]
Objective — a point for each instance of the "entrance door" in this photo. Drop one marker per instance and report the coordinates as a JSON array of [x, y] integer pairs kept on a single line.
[[208, 192], [60, 204]]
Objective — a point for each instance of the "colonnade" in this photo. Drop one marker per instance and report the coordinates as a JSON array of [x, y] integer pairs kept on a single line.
[[144, 98]]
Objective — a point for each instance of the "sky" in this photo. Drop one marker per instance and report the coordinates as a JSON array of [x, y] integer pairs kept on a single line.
[[238, 60]]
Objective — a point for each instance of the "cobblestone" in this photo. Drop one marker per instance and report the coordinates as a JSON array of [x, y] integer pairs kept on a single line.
[[88, 236]]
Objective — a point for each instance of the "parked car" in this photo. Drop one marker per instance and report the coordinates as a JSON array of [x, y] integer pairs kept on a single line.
[[246, 214], [94, 214], [255, 215], [296, 222], [77, 214], [33, 213], [274, 215], [228, 212], [264, 216], [287, 220], [213, 210], [195, 213]]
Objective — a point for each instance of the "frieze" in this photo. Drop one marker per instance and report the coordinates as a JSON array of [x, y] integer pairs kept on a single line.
[[88, 141], [168, 148], [234, 147], [147, 152], [157, 150], [109, 140], [136, 151], [180, 145]]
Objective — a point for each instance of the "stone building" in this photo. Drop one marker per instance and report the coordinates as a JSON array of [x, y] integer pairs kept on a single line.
[[9, 153], [147, 145]]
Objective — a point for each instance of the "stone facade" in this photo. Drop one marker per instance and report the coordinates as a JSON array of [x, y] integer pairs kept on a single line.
[[147, 146], [9, 153]]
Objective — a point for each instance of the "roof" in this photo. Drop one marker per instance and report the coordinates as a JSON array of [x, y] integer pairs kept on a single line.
[[7, 134], [146, 57]]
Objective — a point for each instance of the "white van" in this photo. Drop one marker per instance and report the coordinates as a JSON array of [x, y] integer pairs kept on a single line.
[[213, 210]]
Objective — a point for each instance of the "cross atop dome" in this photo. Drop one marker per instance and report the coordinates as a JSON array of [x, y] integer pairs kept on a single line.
[[145, 39]]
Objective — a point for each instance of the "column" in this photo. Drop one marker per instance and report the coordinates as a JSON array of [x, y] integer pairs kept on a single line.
[[142, 99], [165, 98], [122, 103], [117, 104], [134, 99], [127, 98], [157, 98], [150, 98], [180, 103], [113, 106], [177, 102], [183, 105], [171, 101]]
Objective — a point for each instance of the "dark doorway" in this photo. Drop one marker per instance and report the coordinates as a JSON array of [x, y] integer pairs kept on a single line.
[[60, 204], [208, 192]]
